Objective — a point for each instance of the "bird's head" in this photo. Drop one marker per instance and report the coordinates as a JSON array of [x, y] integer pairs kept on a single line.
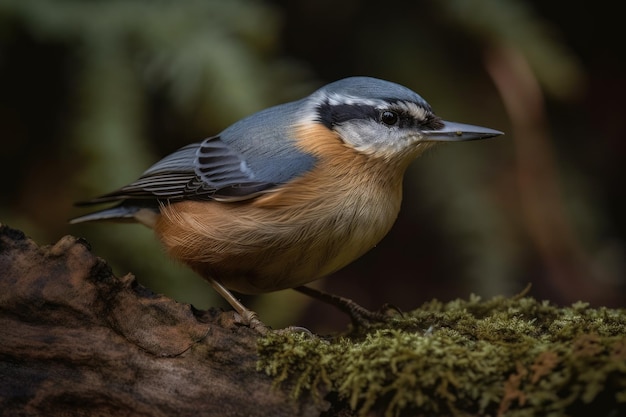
[[384, 119]]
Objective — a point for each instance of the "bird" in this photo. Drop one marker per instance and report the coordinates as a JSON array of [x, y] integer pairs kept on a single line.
[[289, 194]]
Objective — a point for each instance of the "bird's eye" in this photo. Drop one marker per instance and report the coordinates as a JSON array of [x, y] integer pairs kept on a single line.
[[389, 118]]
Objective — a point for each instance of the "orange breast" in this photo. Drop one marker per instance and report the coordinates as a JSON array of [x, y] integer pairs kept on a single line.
[[299, 232]]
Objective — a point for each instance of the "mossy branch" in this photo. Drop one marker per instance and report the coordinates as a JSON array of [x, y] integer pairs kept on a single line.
[[515, 356]]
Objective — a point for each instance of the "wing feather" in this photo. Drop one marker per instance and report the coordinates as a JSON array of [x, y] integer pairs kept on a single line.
[[250, 157], [202, 171]]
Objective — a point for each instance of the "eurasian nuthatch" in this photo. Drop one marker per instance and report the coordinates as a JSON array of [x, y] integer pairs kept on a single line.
[[291, 193]]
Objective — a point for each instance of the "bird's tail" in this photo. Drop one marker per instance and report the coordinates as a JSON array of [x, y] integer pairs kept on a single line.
[[122, 213]]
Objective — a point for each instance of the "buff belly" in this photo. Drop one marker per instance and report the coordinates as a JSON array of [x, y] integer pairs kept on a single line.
[[263, 249]]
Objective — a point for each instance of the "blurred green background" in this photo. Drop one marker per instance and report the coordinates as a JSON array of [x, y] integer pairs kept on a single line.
[[93, 92]]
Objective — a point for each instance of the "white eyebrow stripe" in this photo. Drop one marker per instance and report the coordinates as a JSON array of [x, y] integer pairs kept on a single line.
[[414, 109], [337, 100], [417, 111]]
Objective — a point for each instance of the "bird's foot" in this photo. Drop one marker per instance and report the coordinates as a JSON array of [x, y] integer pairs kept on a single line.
[[251, 319], [360, 316]]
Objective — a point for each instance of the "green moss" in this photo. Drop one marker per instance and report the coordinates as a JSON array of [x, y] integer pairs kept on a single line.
[[514, 357]]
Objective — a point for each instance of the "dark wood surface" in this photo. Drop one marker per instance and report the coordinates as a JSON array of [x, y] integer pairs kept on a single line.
[[76, 340]]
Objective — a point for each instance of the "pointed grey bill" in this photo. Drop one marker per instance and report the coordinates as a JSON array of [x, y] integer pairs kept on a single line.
[[453, 132]]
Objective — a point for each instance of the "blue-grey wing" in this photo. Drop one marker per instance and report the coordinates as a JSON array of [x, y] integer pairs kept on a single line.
[[200, 171], [250, 157], [267, 144]]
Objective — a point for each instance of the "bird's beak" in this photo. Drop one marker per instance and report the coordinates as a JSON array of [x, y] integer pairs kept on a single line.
[[453, 132]]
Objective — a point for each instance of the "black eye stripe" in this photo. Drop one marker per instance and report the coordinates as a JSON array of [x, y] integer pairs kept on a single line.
[[335, 114], [406, 119]]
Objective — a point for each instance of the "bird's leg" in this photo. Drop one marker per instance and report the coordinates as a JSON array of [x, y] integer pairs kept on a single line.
[[359, 315], [249, 317]]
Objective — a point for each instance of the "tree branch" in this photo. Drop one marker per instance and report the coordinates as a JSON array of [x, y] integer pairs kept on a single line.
[[77, 340]]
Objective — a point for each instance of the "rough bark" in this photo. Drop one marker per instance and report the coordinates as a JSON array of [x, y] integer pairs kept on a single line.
[[77, 340]]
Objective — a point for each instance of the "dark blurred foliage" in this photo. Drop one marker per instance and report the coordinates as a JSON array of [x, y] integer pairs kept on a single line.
[[93, 92]]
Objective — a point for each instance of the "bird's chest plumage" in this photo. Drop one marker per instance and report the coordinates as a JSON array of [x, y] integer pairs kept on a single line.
[[282, 240], [333, 227], [299, 232]]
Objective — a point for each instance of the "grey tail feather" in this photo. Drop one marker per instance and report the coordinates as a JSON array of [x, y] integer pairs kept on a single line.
[[119, 213]]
